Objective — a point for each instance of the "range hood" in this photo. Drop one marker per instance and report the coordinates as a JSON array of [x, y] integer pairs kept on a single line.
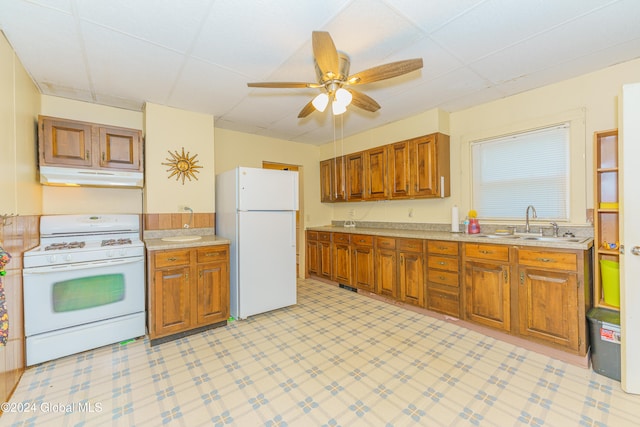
[[61, 176]]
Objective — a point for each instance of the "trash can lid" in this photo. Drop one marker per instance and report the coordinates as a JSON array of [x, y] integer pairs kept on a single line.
[[604, 315]]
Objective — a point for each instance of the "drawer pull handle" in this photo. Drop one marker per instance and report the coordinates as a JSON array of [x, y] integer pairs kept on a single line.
[[545, 259], [441, 277], [483, 251], [442, 263], [172, 259], [442, 248]]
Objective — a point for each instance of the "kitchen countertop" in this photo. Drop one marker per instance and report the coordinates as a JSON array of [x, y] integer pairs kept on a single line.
[[584, 243], [157, 244]]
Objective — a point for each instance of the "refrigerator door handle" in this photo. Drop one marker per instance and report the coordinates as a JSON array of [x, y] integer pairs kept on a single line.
[[293, 229]]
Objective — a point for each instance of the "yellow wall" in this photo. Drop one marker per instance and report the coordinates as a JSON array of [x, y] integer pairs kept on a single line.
[[169, 130], [241, 149], [19, 104], [78, 200]]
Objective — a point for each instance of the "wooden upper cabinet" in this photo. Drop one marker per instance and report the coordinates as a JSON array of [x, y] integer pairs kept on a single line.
[[65, 143], [414, 168], [375, 173], [72, 143], [355, 176], [332, 180], [429, 166], [398, 171], [120, 148]]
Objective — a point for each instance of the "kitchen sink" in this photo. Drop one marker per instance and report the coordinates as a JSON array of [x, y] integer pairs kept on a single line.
[[181, 238], [499, 236], [554, 239]]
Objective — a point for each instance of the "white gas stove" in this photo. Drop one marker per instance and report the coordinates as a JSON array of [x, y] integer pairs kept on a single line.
[[84, 285]]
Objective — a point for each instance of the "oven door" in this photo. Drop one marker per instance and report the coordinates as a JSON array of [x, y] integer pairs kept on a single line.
[[57, 297]]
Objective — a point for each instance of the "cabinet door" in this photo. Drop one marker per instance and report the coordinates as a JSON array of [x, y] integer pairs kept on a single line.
[[212, 293], [548, 306], [326, 180], [386, 273], [355, 176], [398, 179], [342, 263], [172, 299], [376, 173], [325, 259], [487, 294], [312, 257], [362, 273], [423, 163], [412, 284], [120, 148], [65, 143]]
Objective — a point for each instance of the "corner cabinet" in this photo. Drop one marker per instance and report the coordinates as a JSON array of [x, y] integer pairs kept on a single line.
[[72, 143], [606, 214], [414, 168], [188, 291]]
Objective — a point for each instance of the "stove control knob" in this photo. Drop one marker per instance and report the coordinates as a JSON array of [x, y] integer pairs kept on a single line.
[[123, 252], [110, 253], [67, 257], [52, 259]]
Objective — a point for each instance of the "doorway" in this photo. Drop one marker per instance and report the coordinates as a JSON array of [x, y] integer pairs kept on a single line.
[[299, 213]]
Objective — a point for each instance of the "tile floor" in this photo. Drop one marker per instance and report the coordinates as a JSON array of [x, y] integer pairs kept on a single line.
[[335, 359]]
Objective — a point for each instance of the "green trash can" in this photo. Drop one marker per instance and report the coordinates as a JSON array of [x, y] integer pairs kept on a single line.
[[604, 328]]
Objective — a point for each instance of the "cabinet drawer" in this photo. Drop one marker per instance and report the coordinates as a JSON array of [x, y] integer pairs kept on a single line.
[[213, 253], [412, 245], [312, 235], [548, 259], [172, 258], [443, 263], [442, 277], [324, 236], [341, 238], [442, 247], [362, 240], [385, 242], [492, 252], [443, 302]]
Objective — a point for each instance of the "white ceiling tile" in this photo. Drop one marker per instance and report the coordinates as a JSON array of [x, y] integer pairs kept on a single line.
[[166, 23], [430, 15]]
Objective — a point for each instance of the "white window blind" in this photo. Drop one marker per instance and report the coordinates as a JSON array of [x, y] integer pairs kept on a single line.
[[515, 171]]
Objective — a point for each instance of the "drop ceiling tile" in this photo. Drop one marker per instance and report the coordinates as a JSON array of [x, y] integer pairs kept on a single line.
[[124, 66], [170, 24], [498, 24], [430, 15]]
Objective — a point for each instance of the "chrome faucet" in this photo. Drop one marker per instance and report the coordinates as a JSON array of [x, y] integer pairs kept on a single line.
[[188, 209], [535, 215]]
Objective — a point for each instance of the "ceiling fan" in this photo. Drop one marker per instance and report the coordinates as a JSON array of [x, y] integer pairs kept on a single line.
[[332, 71]]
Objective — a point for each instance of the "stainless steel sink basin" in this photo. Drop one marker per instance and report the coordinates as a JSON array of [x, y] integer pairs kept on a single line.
[[181, 238], [499, 236], [554, 239]]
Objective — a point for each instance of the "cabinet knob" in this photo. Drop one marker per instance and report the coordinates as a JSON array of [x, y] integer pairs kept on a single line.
[[86, 155], [172, 259]]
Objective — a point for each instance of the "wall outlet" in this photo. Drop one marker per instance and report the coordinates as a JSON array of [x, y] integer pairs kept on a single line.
[[410, 212]]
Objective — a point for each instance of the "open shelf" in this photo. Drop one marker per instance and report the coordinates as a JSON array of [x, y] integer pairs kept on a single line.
[[606, 218]]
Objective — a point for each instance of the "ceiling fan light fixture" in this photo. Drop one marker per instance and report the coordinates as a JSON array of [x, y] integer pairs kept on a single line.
[[338, 108], [343, 96], [320, 102]]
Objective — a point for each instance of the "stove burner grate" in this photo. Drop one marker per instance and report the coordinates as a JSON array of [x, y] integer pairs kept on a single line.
[[64, 245], [116, 242]]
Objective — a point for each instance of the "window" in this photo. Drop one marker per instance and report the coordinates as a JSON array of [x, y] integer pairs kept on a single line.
[[514, 171]]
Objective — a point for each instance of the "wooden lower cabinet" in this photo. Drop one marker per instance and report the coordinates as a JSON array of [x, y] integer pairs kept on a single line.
[[487, 290], [341, 258], [411, 271], [551, 298], [325, 257], [363, 262], [312, 259], [443, 287], [188, 290], [386, 267]]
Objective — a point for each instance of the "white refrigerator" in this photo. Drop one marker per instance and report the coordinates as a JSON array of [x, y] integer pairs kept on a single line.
[[256, 210]]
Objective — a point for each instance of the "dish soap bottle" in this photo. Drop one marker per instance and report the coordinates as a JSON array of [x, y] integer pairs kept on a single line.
[[474, 225]]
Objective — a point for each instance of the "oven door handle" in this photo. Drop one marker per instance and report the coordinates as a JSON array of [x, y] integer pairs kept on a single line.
[[81, 265]]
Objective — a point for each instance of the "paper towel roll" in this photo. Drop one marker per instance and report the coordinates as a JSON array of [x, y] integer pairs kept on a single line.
[[455, 220]]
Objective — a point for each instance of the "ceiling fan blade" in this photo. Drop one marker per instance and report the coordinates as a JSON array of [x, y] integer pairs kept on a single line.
[[306, 110], [385, 71], [363, 101], [295, 85], [325, 53]]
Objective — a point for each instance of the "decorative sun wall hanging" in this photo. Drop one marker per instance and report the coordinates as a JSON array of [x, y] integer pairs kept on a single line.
[[182, 166]]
